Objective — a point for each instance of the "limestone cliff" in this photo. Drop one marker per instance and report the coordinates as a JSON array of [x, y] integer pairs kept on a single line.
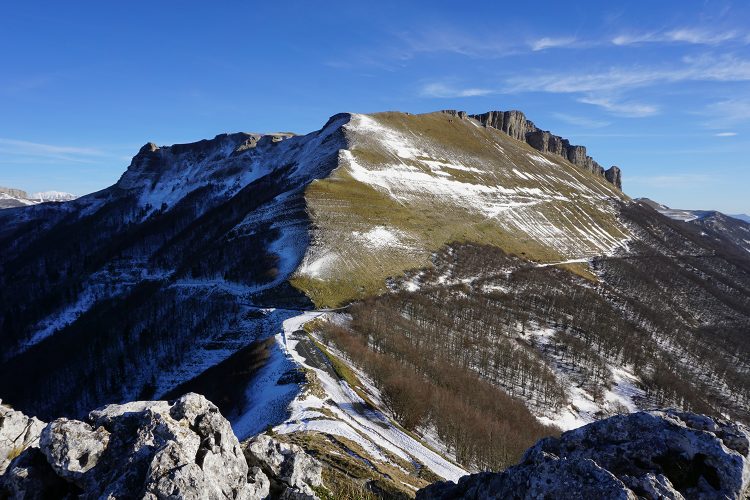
[[515, 124]]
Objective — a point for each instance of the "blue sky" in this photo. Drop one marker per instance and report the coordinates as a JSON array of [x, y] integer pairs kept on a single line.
[[661, 89]]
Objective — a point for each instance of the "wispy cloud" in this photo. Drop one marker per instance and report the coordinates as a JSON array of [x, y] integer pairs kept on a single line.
[[442, 90], [621, 108], [725, 134], [549, 43], [725, 68], [580, 121], [399, 48], [728, 112], [19, 148], [688, 35], [606, 89]]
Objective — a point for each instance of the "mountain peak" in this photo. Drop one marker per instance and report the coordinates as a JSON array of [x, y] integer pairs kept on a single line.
[[149, 147]]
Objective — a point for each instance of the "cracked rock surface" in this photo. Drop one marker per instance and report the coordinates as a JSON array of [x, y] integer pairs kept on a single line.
[[649, 455], [145, 449]]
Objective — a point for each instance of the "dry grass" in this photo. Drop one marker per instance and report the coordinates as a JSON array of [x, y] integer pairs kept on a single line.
[[340, 205], [348, 472]]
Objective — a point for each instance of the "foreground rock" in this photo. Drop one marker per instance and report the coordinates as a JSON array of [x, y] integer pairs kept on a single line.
[[17, 432], [293, 473], [652, 455], [147, 449]]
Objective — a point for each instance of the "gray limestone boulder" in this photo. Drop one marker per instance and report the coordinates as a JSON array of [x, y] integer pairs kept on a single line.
[[649, 455], [73, 448], [293, 471], [17, 432], [146, 449]]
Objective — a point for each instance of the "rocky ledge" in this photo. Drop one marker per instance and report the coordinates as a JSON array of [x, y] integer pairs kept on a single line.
[[516, 125], [646, 455], [148, 449]]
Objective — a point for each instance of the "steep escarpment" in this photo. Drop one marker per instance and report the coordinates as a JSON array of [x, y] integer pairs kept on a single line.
[[516, 125]]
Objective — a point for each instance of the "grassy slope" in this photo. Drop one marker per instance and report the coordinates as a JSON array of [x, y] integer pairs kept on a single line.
[[345, 206]]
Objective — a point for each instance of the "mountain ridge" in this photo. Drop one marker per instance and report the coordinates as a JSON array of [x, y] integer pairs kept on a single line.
[[712, 222], [390, 286]]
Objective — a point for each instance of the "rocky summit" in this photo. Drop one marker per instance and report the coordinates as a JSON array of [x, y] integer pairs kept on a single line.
[[644, 455], [149, 449]]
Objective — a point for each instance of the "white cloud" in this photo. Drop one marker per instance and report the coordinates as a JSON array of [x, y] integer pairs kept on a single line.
[[727, 113], [442, 90], [18, 148], [580, 121], [621, 108], [725, 134], [548, 43], [725, 68], [689, 35]]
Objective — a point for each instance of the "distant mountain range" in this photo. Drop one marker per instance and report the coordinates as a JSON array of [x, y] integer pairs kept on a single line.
[[10, 197], [687, 215], [716, 224]]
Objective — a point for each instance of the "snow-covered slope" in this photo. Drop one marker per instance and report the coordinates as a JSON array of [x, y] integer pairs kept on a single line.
[[52, 196], [408, 184], [330, 407]]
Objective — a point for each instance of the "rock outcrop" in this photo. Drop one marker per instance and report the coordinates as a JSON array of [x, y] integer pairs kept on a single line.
[[516, 125], [614, 175], [147, 449], [17, 433], [651, 455], [293, 473], [15, 193]]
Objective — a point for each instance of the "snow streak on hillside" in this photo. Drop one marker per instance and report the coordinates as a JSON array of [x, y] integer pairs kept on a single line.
[[406, 185], [419, 169], [332, 408]]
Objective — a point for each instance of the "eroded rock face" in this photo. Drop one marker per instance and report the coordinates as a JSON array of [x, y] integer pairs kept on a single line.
[[73, 448], [652, 455], [151, 449], [293, 472], [614, 175], [516, 125], [17, 432]]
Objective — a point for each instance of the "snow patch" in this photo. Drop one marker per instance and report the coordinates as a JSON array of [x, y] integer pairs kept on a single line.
[[354, 419]]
